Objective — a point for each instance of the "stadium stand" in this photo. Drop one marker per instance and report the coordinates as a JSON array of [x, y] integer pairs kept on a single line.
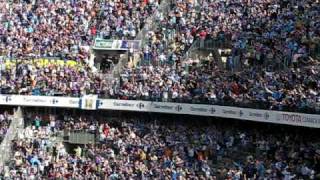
[[162, 73], [250, 60], [134, 148], [46, 28]]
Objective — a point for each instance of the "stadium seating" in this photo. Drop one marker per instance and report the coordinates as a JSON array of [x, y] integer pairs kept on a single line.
[[259, 35]]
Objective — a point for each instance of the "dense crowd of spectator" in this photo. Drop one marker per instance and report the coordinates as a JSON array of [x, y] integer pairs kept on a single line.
[[124, 19], [46, 28], [66, 29], [165, 149], [290, 90], [264, 31], [260, 32], [49, 77], [276, 33]]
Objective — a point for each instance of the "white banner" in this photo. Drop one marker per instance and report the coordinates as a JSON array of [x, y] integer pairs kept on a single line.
[[278, 117], [298, 119], [124, 105], [91, 102], [47, 101]]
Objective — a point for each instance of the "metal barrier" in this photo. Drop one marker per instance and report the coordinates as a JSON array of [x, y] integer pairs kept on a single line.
[[38, 57], [315, 53], [209, 46], [79, 137], [279, 62], [151, 24], [16, 125], [190, 52]]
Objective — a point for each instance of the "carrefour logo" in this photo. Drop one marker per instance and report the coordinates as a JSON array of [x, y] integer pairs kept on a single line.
[[241, 113], [212, 110], [140, 105], [55, 101], [178, 108], [8, 99]]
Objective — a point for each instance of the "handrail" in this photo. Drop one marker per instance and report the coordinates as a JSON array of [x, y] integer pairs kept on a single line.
[[217, 43], [195, 46], [36, 58], [151, 24], [16, 126]]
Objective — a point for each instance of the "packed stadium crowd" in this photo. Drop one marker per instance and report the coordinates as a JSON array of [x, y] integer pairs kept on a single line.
[[67, 28], [47, 28], [50, 77], [124, 19], [259, 32], [143, 149], [291, 90], [280, 33]]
